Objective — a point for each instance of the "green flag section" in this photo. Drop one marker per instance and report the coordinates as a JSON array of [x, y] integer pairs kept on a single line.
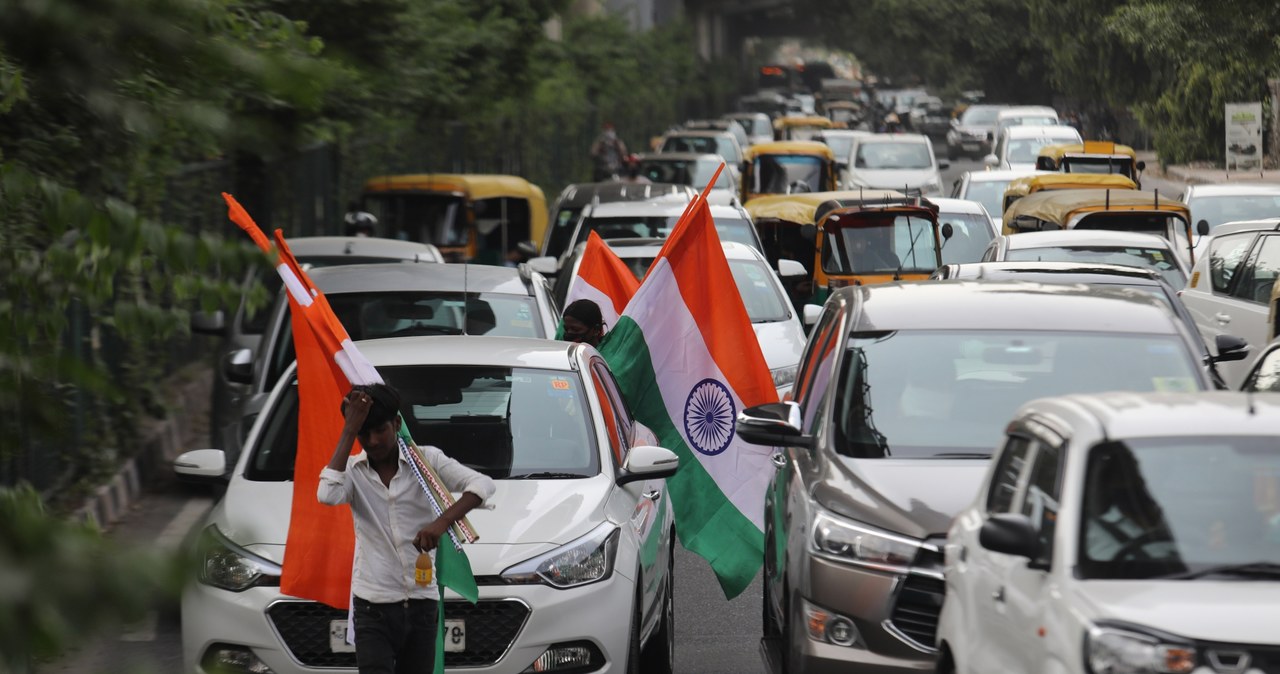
[[685, 356], [453, 571]]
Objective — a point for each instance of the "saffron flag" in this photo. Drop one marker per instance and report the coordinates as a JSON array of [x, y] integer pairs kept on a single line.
[[321, 542], [604, 279], [685, 356]]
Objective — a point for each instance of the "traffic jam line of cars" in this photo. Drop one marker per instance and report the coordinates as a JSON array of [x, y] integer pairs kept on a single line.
[[998, 445]]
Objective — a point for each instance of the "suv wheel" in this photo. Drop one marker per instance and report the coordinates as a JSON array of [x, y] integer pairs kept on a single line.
[[659, 655]]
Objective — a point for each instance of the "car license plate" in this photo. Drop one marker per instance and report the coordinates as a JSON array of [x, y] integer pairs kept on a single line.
[[455, 636], [338, 637]]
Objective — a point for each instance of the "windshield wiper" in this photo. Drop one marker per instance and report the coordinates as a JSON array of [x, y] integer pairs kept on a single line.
[[1267, 570], [962, 455], [546, 476]]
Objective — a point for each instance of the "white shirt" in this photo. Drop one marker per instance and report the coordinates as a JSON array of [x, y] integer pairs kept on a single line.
[[387, 518]]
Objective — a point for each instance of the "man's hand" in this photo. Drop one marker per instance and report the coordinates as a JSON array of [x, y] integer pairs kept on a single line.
[[430, 535], [358, 404]]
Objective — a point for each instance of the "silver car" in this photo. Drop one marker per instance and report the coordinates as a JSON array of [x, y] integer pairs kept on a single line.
[[902, 393]]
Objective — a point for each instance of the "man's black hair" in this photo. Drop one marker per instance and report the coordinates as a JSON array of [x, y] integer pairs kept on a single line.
[[586, 311], [385, 407]]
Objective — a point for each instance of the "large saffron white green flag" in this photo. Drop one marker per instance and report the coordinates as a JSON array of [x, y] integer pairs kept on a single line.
[[686, 358]]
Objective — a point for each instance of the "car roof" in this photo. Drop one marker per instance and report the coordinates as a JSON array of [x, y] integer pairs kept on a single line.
[[1005, 305], [1085, 237], [1247, 226], [1124, 415], [469, 350], [359, 278], [844, 133], [1021, 110], [1001, 175], [893, 138], [949, 205], [1233, 189], [632, 248], [697, 132], [1056, 272], [363, 246], [581, 194], [681, 156], [661, 207], [1045, 130]]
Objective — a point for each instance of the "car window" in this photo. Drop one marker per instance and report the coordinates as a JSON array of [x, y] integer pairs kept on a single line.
[[888, 156], [1259, 275], [1225, 255], [970, 234], [1159, 259], [1044, 488], [759, 291], [989, 193], [785, 174], [1007, 474], [617, 424], [1236, 208], [1266, 374]]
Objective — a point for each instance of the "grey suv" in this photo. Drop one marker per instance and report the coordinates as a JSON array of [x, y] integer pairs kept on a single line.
[[903, 392]]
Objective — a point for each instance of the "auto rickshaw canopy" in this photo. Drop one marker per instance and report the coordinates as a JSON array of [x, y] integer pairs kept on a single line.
[[1021, 187], [801, 208], [471, 186], [877, 217], [794, 121], [1064, 207], [1091, 148], [790, 147]]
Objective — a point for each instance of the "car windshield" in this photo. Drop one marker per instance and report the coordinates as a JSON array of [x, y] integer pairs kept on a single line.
[[503, 422], [893, 156], [1030, 120], [255, 321], [562, 230], [970, 234], [788, 173], [840, 146], [659, 226], [697, 172], [1025, 150], [1156, 507], [1099, 166], [882, 245], [718, 144], [927, 393], [979, 116], [1218, 210], [429, 218], [1159, 259], [989, 193]]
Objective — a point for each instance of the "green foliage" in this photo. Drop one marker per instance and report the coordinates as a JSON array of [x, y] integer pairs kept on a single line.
[[61, 582]]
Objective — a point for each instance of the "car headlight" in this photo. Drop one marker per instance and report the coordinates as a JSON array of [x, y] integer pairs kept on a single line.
[[1112, 650], [843, 540], [586, 560], [784, 376], [223, 564]]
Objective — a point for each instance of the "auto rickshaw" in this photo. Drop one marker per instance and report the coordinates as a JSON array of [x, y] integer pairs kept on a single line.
[[469, 217], [1092, 156], [1021, 187], [799, 127], [788, 167], [848, 112], [869, 240], [1115, 210]]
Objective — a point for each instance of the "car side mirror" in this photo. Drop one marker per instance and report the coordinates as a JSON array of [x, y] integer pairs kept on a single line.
[[201, 465], [790, 269], [209, 323], [1202, 228], [238, 366], [1010, 534], [1141, 166], [991, 161], [545, 265], [1045, 164], [1230, 348], [991, 136], [648, 462], [812, 312], [773, 425], [944, 164], [842, 166], [947, 231]]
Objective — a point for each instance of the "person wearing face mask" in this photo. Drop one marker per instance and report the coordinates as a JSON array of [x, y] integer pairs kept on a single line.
[[583, 322], [608, 154]]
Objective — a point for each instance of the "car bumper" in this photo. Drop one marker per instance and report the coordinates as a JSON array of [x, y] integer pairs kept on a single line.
[[591, 613], [883, 607]]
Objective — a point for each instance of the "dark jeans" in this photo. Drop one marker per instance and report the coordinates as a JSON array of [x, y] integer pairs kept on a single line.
[[397, 638]]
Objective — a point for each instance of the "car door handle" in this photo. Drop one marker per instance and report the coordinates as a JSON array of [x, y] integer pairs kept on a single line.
[[998, 595], [652, 494], [1221, 317], [778, 460]]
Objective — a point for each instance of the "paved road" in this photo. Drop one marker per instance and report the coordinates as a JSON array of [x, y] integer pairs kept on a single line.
[[713, 635]]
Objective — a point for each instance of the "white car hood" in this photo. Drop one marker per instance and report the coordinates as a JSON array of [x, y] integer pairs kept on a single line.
[[524, 517], [893, 179], [781, 342], [1226, 611]]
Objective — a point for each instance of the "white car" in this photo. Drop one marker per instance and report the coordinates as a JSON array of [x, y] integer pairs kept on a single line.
[[656, 218], [777, 326], [987, 188], [1231, 202], [972, 228], [841, 143], [1017, 147], [1231, 287], [1121, 532], [758, 125], [575, 552], [1092, 246], [1023, 115], [896, 161]]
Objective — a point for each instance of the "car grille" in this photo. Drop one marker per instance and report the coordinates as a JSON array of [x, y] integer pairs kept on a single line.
[[492, 626], [915, 614]]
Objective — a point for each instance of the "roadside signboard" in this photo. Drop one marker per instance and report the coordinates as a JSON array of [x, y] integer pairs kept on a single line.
[[1244, 137]]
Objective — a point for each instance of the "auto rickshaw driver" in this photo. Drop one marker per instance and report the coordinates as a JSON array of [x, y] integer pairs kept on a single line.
[[870, 249]]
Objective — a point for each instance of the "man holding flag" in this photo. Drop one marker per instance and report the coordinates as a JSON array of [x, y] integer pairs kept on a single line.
[[394, 617]]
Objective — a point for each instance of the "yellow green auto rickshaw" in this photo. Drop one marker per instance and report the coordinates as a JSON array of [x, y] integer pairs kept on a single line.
[[1044, 182], [879, 240], [800, 127], [469, 217], [788, 167], [1092, 156]]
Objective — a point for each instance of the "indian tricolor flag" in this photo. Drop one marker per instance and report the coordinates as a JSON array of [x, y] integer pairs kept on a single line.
[[685, 356], [320, 546], [604, 279]]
